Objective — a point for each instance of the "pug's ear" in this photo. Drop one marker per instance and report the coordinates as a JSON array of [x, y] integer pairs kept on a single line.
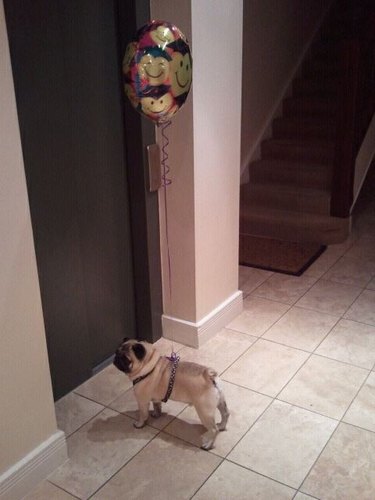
[[139, 351], [125, 339]]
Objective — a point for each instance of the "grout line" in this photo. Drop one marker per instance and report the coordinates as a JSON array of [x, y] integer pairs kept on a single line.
[[207, 478], [238, 358], [318, 457], [62, 489], [261, 474], [340, 361], [357, 427], [314, 412], [68, 436], [251, 426], [355, 397], [124, 465], [306, 494]]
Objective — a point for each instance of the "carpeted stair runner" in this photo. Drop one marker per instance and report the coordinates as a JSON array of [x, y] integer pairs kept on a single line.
[[288, 196]]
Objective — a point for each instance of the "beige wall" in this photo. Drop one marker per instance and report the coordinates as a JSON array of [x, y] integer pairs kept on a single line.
[[217, 46], [204, 157], [27, 415], [276, 34], [180, 194]]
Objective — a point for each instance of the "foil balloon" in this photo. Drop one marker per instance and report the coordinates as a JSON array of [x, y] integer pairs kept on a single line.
[[157, 70]]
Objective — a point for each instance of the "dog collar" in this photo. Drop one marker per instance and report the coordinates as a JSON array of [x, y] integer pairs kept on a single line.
[[138, 379], [174, 359]]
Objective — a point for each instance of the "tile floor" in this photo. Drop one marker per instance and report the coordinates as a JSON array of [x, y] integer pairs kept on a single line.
[[298, 372]]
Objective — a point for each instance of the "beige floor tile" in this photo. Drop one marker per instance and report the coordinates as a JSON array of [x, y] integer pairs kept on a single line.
[[362, 411], [127, 404], [364, 225], [244, 272], [98, 450], [351, 271], [220, 351], [326, 260], [236, 483], [345, 469], [252, 279], [325, 386], [284, 443], [329, 297], [258, 315], [350, 342], [363, 249], [301, 328], [106, 386], [266, 367], [363, 309], [302, 496], [165, 469], [73, 410], [245, 407], [371, 285], [283, 288], [47, 491]]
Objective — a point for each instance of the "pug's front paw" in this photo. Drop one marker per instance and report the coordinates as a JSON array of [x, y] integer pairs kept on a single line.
[[156, 412], [139, 425]]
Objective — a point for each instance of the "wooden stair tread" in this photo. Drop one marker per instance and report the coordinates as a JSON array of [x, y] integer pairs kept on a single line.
[[293, 226], [316, 150], [284, 196], [307, 127], [294, 167]]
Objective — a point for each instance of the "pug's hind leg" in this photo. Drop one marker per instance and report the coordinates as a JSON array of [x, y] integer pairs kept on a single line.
[[156, 413], [224, 412], [143, 414], [207, 418]]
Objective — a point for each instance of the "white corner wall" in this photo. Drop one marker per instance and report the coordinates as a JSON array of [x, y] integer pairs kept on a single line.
[[217, 48], [275, 38], [363, 161], [27, 417], [204, 157]]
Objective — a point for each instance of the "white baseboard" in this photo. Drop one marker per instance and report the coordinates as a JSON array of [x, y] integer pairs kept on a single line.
[[23, 476], [196, 334]]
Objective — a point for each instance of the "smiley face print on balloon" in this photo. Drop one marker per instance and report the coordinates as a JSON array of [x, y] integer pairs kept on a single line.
[[181, 70], [157, 70], [158, 106], [153, 67]]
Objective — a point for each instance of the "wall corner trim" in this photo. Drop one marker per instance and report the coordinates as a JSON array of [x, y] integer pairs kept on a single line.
[[23, 476], [196, 334]]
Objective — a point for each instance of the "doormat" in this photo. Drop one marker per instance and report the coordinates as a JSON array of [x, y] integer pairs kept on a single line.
[[286, 257]]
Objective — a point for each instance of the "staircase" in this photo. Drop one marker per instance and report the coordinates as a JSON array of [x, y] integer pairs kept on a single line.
[[293, 188]]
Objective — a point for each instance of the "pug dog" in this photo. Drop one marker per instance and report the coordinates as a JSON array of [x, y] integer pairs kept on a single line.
[[157, 378]]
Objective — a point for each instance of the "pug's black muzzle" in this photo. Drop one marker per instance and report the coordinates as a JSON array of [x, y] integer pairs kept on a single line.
[[122, 363]]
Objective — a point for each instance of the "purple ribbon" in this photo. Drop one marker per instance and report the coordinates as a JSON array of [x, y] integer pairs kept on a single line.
[[166, 182], [173, 357]]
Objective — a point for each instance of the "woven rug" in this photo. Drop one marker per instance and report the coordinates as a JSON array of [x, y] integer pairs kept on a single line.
[[286, 257]]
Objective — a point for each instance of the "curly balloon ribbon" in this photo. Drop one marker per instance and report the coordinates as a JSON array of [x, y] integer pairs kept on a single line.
[[166, 182], [165, 156]]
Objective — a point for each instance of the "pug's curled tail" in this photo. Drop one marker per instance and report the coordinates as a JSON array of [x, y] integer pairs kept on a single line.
[[210, 375]]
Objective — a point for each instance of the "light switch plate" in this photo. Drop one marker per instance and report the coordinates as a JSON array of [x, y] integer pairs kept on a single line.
[[154, 167]]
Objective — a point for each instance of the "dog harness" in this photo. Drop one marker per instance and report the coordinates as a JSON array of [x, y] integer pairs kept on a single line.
[[175, 360]]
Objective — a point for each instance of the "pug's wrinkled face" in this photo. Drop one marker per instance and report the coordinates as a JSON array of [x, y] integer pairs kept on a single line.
[[129, 356]]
